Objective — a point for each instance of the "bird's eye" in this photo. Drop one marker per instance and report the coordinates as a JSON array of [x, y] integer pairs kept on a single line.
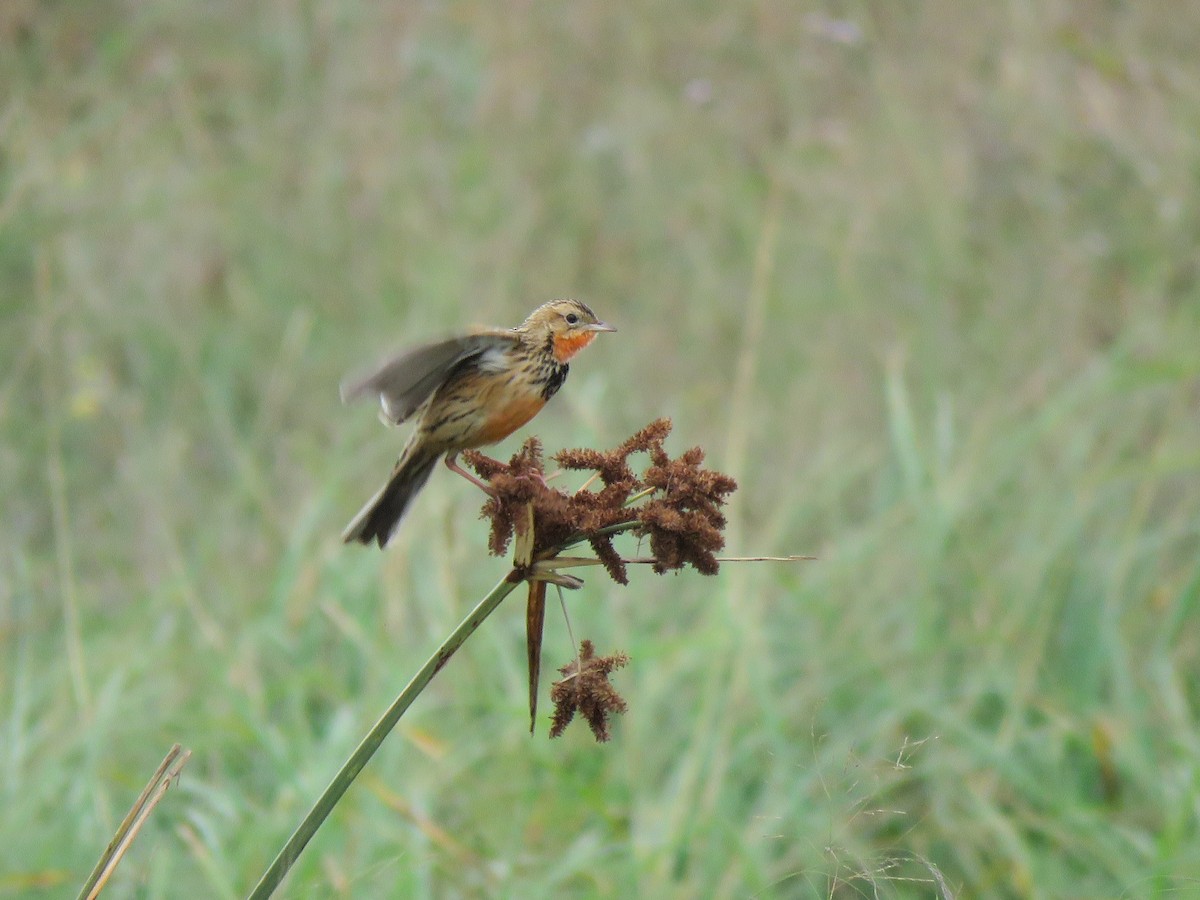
[[572, 319]]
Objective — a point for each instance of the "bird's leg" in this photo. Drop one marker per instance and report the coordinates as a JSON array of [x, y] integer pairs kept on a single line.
[[453, 466]]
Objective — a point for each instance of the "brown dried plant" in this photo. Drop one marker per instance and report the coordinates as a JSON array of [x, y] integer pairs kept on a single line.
[[674, 503], [585, 689], [680, 508]]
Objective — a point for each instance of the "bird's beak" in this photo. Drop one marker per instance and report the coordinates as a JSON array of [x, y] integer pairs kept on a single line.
[[600, 326]]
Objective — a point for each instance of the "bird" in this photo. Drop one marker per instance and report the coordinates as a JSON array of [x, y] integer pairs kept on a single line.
[[465, 392]]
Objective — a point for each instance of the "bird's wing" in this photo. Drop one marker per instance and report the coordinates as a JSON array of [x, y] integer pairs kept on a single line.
[[404, 382]]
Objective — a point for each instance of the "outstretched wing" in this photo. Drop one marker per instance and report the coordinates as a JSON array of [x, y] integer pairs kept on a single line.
[[404, 382]]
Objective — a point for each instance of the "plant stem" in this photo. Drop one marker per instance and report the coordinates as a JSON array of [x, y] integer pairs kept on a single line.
[[154, 790], [272, 878], [579, 538]]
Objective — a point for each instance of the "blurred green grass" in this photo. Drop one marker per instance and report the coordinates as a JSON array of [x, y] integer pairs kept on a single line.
[[925, 279]]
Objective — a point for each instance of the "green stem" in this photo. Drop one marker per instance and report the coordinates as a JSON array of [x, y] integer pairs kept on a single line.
[[272, 878], [579, 537]]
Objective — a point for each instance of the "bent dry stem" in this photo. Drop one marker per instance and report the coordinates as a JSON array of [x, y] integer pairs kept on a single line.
[[168, 770]]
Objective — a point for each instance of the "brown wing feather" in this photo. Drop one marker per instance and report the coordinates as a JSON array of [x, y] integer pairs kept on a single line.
[[404, 382]]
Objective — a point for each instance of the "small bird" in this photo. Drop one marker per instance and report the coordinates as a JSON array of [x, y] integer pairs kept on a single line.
[[466, 392]]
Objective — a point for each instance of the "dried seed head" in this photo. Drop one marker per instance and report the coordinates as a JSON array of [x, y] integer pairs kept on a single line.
[[585, 689]]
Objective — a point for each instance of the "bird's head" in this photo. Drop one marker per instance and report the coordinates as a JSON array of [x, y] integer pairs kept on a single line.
[[564, 326]]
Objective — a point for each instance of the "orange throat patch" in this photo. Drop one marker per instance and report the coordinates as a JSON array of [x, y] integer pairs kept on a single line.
[[567, 345]]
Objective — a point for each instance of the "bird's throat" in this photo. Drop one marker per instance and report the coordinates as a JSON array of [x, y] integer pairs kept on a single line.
[[567, 345]]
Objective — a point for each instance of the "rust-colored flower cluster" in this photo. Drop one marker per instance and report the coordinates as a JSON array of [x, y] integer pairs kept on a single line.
[[675, 503], [585, 689], [680, 512], [683, 516]]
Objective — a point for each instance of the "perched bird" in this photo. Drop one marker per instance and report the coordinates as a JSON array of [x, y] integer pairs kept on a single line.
[[466, 392]]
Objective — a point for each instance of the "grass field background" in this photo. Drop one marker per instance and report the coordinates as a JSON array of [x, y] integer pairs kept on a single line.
[[925, 279]]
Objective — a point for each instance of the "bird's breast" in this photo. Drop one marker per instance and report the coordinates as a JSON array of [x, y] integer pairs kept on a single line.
[[507, 416]]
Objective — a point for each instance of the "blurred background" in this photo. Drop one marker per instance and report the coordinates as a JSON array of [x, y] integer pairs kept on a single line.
[[924, 279]]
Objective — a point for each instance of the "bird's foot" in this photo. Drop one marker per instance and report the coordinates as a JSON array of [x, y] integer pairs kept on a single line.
[[453, 466]]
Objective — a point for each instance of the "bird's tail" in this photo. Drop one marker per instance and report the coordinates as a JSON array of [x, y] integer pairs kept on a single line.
[[377, 520]]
